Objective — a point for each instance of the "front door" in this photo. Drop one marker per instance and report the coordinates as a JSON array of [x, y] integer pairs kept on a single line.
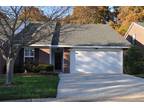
[[58, 59]]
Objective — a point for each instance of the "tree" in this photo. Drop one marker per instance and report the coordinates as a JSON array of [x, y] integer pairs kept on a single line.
[[34, 14], [133, 61], [126, 15], [89, 14], [12, 39]]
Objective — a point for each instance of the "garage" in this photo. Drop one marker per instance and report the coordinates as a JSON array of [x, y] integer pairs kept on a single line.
[[99, 61]]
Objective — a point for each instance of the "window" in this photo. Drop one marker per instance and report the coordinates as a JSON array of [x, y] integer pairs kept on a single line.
[[29, 54]]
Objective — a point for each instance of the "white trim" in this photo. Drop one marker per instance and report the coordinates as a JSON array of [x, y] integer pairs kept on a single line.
[[50, 56], [139, 25], [55, 46], [63, 60], [29, 56], [122, 61], [129, 29], [72, 61], [76, 49]]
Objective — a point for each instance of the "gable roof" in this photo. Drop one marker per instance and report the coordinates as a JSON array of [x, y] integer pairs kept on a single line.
[[34, 27], [80, 35], [90, 35], [140, 23]]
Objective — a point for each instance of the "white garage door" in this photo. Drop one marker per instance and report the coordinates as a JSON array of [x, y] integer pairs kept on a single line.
[[97, 61]]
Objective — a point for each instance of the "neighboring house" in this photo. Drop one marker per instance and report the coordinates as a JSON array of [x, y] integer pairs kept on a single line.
[[135, 34], [73, 48]]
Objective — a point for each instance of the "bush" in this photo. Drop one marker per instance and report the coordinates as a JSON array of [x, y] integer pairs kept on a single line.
[[19, 69], [29, 67], [134, 61], [44, 67], [32, 68]]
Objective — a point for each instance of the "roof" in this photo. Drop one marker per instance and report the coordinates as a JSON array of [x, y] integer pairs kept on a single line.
[[42, 30], [140, 23], [131, 30], [78, 35], [91, 35]]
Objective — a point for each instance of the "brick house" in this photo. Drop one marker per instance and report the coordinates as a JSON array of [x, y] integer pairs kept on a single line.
[[78, 48]]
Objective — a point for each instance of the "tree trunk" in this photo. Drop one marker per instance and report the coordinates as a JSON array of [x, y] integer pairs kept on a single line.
[[9, 70]]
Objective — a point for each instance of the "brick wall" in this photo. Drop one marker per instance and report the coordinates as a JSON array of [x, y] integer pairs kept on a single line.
[[66, 60], [44, 56]]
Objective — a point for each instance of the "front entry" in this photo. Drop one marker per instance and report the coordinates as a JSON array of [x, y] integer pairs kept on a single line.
[[58, 59]]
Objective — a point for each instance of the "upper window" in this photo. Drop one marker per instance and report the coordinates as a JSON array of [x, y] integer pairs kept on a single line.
[[29, 52]]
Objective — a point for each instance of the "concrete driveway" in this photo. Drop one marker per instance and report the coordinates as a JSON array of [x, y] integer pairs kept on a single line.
[[94, 87]]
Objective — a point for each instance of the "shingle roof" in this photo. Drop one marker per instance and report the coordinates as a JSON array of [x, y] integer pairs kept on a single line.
[[33, 27], [80, 35], [91, 34]]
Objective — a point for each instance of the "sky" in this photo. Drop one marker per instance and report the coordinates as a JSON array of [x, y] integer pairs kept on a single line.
[[48, 9]]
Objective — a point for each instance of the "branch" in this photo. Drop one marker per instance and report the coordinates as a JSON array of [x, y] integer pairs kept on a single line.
[[4, 29], [16, 12], [35, 37], [3, 55]]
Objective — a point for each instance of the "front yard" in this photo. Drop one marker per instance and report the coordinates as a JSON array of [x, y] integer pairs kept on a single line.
[[29, 86]]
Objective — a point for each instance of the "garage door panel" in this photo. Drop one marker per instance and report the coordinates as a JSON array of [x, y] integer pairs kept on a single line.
[[98, 61]]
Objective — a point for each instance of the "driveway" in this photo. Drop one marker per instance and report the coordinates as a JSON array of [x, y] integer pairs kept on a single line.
[[102, 87]]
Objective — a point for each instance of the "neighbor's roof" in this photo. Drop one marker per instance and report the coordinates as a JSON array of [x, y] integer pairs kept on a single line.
[[140, 23], [90, 35]]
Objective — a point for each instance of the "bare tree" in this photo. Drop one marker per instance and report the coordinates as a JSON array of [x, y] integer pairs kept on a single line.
[[16, 32]]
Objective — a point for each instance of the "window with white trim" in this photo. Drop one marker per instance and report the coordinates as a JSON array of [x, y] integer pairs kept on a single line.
[[29, 54]]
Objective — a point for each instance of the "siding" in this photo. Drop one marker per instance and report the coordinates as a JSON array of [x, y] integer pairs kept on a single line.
[[20, 58], [138, 31]]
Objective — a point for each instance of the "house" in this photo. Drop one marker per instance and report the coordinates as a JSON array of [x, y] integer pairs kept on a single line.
[[135, 34], [74, 48]]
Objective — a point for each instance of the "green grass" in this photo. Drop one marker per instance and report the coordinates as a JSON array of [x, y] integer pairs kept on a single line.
[[29, 86]]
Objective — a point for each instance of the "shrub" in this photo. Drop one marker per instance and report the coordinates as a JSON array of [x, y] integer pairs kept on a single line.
[[32, 68], [18, 69], [133, 61], [44, 67], [29, 67]]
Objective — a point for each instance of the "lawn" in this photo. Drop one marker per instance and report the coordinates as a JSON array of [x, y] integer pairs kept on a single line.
[[29, 86]]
